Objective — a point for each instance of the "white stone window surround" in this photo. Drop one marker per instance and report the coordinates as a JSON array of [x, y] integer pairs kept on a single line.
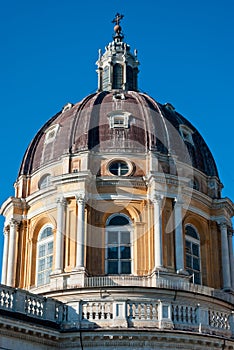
[[186, 133], [45, 247], [44, 181], [120, 229], [67, 107], [51, 132], [119, 119]]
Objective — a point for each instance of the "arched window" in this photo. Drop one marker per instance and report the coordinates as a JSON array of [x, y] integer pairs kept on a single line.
[[105, 78], [117, 76], [118, 245], [44, 181], [192, 246], [45, 245], [130, 77]]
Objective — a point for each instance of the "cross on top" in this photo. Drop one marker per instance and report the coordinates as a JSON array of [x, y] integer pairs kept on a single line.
[[117, 18]]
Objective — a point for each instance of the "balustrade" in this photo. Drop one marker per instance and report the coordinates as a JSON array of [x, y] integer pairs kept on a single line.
[[184, 314], [219, 320], [96, 311], [142, 311], [20, 301], [146, 312], [6, 298]]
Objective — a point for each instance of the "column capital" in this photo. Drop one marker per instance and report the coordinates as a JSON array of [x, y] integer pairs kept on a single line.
[[14, 223], [80, 197], [61, 200], [222, 224], [178, 201], [6, 230], [157, 198]]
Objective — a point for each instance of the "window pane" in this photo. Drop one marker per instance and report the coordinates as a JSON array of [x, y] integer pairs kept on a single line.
[[118, 120], [118, 220], [125, 253], [124, 238], [113, 267], [41, 251], [197, 277], [112, 252], [196, 265], [47, 276], [118, 168], [40, 279], [46, 233], [123, 168], [113, 237], [188, 247], [41, 265], [117, 76], [188, 261], [195, 248], [190, 231], [126, 267], [49, 261]]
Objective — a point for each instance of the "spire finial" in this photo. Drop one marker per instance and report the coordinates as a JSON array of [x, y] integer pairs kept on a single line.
[[118, 18], [117, 27]]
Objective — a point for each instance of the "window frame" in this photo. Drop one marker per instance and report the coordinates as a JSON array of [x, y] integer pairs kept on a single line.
[[51, 133], [44, 242], [120, 229], [116, 116], [193, 241], [187, 134], [44, 181], [130, 165]]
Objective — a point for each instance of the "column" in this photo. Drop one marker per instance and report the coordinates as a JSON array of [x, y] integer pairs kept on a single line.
[[5, 255], [158, 247], [225, 257], [11, 263], [179, 238], [80, 234], [230, 246], [59, 252]]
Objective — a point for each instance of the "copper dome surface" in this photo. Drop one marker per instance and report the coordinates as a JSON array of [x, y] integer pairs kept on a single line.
[[86, 127]]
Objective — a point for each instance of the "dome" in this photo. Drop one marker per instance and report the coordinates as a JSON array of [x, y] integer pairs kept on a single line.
[[90, 125]]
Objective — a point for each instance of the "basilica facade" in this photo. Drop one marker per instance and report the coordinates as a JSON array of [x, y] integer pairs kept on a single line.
[[118, 236]]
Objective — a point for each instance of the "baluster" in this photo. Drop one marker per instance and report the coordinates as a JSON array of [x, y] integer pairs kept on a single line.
[[155, 312], [181, 313], [149, 311], [142, 311], [130, 311], [173, 312], [186, 314], [102, 311], [136, 311], [108, 312], [95, 311]]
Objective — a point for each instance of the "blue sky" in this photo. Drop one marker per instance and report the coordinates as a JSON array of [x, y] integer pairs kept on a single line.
[[48, 54]]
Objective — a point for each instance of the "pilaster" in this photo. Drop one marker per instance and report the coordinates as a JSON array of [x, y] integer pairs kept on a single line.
[[5, 255], [59, 242], [12, 253], [225, 257]]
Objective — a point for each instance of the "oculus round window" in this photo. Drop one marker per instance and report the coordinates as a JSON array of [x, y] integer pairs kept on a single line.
[[119, 168]]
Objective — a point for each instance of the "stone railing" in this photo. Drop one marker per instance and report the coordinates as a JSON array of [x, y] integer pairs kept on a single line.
[[28, 304], [106, 311], [150, 313], [156, 281]]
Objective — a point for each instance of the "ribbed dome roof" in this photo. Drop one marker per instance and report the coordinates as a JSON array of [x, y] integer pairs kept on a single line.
[[150, 126]]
